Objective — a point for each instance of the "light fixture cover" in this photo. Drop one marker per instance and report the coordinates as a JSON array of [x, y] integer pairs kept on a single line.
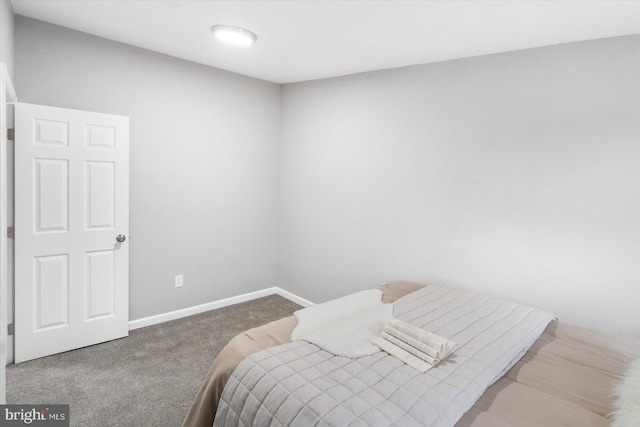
[[234, 35]]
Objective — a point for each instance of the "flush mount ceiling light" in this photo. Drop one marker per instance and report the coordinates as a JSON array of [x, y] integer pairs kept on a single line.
[[234, 35]]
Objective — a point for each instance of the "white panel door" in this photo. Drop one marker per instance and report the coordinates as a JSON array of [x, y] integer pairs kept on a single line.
[[72, 214]]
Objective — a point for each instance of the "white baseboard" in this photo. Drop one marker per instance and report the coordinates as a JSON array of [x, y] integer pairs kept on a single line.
[[293, 297], [197, 309]]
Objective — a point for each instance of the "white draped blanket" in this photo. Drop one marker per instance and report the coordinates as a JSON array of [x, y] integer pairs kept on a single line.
[[627, 404], [300, 384], [345, 326]]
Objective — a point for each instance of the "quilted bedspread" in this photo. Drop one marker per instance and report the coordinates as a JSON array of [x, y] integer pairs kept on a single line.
[[300, 384]]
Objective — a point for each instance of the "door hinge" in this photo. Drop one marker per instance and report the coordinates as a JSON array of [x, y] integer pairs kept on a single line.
[[11, 135], [11, 232], [11, 329]]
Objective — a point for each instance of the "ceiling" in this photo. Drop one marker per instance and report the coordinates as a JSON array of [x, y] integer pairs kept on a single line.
[[307, 40]]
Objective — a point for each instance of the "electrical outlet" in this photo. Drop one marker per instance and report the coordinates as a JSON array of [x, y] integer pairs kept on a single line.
[[179, 281]]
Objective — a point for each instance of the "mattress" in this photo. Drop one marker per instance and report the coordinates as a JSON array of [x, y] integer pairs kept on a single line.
[[565, 378]]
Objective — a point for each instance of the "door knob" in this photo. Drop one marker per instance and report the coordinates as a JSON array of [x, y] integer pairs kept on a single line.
[[121, 238]]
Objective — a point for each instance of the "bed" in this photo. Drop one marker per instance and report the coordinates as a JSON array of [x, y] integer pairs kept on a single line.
[[567, 377]]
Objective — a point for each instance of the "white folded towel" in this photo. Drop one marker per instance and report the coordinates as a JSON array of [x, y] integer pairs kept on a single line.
[[413, 345], [426, 341]]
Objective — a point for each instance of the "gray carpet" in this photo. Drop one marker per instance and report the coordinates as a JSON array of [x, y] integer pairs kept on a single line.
[[147, 379]]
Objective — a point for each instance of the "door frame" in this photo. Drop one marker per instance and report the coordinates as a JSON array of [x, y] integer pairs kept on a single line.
[[7, 95]]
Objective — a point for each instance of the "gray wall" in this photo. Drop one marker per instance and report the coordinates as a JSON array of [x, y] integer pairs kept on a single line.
[[6, 35], [515, 174], [203, 160]]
